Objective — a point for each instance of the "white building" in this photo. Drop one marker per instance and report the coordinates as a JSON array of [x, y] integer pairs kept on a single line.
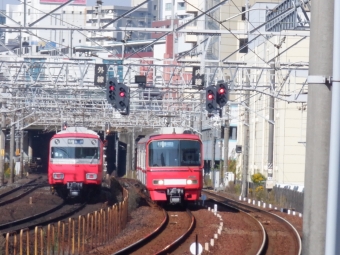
[[290, 111], [67, 16]]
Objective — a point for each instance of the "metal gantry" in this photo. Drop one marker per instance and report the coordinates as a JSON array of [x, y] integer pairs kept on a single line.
[[53, 92], [44, 92]]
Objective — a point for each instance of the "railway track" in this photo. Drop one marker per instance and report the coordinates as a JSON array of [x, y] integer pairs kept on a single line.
[[59, 212], [280, 236], [20, 191], [174, 229]]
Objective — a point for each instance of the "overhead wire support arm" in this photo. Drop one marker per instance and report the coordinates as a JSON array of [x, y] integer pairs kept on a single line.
[[125, 14], [47, 14]]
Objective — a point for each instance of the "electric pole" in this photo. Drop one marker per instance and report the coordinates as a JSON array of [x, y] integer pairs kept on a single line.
[[271, 125], [226, 141], [318, 128], [245, 150]]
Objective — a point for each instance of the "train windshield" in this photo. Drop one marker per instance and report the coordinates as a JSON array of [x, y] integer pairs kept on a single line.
[[75, 152], [175, 153]]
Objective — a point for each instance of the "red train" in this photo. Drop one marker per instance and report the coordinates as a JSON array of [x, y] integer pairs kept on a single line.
[[170, 165], [75, 162]]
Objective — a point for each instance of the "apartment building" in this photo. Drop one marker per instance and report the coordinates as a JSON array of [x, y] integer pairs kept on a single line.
[[290, 56], [49, 39]]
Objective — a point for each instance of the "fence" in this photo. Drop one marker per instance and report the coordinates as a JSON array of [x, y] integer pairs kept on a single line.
[[74, 236], [289, 198], [286, 197]]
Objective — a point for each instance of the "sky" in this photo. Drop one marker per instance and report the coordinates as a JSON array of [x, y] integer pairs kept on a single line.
[[89, 2]]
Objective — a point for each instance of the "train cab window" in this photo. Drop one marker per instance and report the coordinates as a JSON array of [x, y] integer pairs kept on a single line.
[[174, 153], [75, 153]]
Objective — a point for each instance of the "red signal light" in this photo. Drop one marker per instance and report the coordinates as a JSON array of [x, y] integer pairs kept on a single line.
[[221, 91], [112, 88], [210, 96], [122, 94]]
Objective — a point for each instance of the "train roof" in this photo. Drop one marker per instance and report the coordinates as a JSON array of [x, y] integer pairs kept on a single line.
[[77, 132], [170, 133]]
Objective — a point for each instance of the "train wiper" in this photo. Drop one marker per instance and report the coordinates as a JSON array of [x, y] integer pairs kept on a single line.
[[95, 154]]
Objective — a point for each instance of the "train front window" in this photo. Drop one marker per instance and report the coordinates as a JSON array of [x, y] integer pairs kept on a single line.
[[75, 152], [175, 153]]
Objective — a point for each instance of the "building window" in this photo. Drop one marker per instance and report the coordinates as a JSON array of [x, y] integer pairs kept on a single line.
[[72, 12], [63, 40], [29, 11], [243, 14], [168, 7], [79, 41], [154, 18], [155, 7], [243, 45], [180, 6], [80, 13], [233, 133]]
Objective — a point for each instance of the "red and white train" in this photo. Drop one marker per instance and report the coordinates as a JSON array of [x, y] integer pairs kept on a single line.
[[75, 164], [170, 165]]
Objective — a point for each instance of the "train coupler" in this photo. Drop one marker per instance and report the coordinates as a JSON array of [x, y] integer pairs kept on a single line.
[[175, 195], [74, 188]]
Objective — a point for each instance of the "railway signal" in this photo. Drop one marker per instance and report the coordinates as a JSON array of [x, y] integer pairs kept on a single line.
[[111, 88], [211, 99], [123, 98], [222, 94]]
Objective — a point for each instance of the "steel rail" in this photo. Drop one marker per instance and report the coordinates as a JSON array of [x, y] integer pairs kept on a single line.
[[2, 195], [146, 239], [169, 247], [10, 226], [239, 205]]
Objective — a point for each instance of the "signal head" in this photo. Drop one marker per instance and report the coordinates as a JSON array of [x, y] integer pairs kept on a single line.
[[211, 103], [222, 94], [221, 91]]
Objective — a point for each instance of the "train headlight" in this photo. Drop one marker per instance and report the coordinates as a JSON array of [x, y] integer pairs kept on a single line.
[[190, 181], [158, 182], [58, 176], [91, 176]]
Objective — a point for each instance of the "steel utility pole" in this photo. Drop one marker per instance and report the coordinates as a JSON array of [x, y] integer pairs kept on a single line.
[[245, 150], [333, 218], [318, 128], [226, 141], [2, 146], [11, 154], [271, 125], [22, 148], [212, 163]]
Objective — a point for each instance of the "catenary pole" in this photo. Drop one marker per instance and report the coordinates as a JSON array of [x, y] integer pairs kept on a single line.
[[226, 141], [2, 145], [318, 128], [22, 148], [271, 125], [11, 154], [333, 217], [245, 150]]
